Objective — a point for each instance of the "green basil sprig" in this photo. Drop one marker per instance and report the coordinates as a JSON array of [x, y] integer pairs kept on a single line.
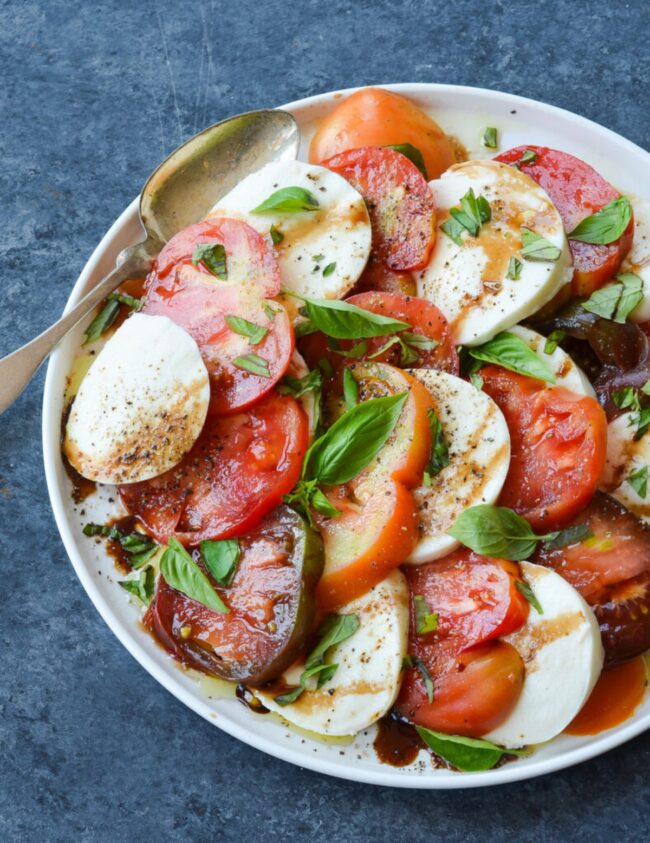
[[143, 586], [288, 200], [606, 225], [511, 352], [498, 531], [412, 153], [469, 755], [213, 257], [616, 301], [221, 558], [181, 572], [537, 248], [345, 321]]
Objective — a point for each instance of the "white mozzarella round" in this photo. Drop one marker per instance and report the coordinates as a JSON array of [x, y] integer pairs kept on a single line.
[[469, 282], [142, 404], [367, 680], [478, 442], [563, 656], [338, 234], [638, 258], [567, 373], [625, 455]]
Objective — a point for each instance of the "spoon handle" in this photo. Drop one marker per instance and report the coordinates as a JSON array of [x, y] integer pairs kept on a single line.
[[18, 368]]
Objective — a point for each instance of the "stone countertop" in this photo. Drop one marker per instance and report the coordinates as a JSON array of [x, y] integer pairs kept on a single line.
[[92, 97]]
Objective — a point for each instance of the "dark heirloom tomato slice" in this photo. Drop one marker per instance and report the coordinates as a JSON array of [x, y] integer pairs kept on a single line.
[[271, 603], [400, 203], [577, 191], [558, 446], [612, 572], [237, 471], [200, 303]]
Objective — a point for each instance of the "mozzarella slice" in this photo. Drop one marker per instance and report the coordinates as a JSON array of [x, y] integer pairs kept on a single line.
[[469, 283], [625, 456], [478, 442], [567, 373], [299, 369], [142, 404], [563, 655], [336, 235], [367, 679], [638, 258]]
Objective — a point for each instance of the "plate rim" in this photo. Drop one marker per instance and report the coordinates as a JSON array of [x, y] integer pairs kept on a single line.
[[387, 776]]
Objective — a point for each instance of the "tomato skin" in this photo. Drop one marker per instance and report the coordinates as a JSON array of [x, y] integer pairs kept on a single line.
[[400, 203], [558, 447], [375, 117], [472, 695], [377, 277], [577, 191], [237, 471]]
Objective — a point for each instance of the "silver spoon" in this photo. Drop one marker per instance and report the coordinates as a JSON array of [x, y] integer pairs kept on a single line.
[[178, 193]]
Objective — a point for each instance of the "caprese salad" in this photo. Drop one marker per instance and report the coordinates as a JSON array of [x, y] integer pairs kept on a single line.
[[380, 425]]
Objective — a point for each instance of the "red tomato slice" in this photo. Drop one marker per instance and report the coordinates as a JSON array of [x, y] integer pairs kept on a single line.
[[249, 258], [237, 471], [476, 599], [377, 277], [577, 191], [612, 572], [400, 203], [558, 446], [200, 303]]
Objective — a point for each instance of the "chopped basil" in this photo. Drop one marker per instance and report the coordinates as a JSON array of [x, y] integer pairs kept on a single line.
[[473, 212], [139, 546], [288, 200], [616, 301], [181, 572], [419, 341], [320, 502], [439, 458], [570, 535], [524, 588], [425, 620], [318, 258], [326, 367], [626, 398], [528, 157], [454, 230], [357, 350], [511, 352], [129, 301], [469, 755], [412, 153], [143, 586], [426, 676], [514, 269], [297, 387], [476, 380], [345, 321], [254, 364], [213, 257], [244, 328], [645, 389], [329, 269], [276, 235], [221, 558], [638, 480], [642, 422], [490, 138], [537, 248], [350, 389], [103, 321], [270, 311], [553, 340], [606, 225]]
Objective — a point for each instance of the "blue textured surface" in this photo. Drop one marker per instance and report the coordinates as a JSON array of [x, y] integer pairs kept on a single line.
[[92, 96]]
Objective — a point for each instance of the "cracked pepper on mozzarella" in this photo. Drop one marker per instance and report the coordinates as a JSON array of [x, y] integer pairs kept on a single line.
[[626, 455], [142, 404], [567, 373], [337, 233], [469, 283], [478, 442], [563, 656], [367, 679]]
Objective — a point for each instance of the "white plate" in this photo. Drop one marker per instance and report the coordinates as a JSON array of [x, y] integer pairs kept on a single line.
[[464, 112]]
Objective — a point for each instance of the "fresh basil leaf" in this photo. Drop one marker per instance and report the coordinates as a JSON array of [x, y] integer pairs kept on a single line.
[[631, 295], [244, 328], [469, 755], [570, 535], [326, 367], [213, 257], [276, 235], [323, 671], [333, 630], [288, 200], [181, 572], [304, 328], [511, 352], [221, 558], [454, 230], [129, 301], [514, 269], [524, 588], [553, 340], [270, 311], [626, 397], [102, 322], [642, 422], [413, 154], [329, 269], [320, 502], [290, 696], [143, 586], [473, 212], [537, 248], [350, 389], [139, 546], [616, 301], [528, 157], [645, 389], [495, 531], [606, 225], [318, 258], [425, 620], [476, 380], [354, 439], [419, 341], [345, 321], [254, 364], [297, 387], [490, 138], [439, 451], [426, 676], [638, 480], [357, 350]]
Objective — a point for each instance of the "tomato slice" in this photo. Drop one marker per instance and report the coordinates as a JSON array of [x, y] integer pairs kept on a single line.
[[400, 202], [376, 117], [377, 277], [577, 191], [201, 304], [237, 471], [475, 597], [612, 572], [558, 447]]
